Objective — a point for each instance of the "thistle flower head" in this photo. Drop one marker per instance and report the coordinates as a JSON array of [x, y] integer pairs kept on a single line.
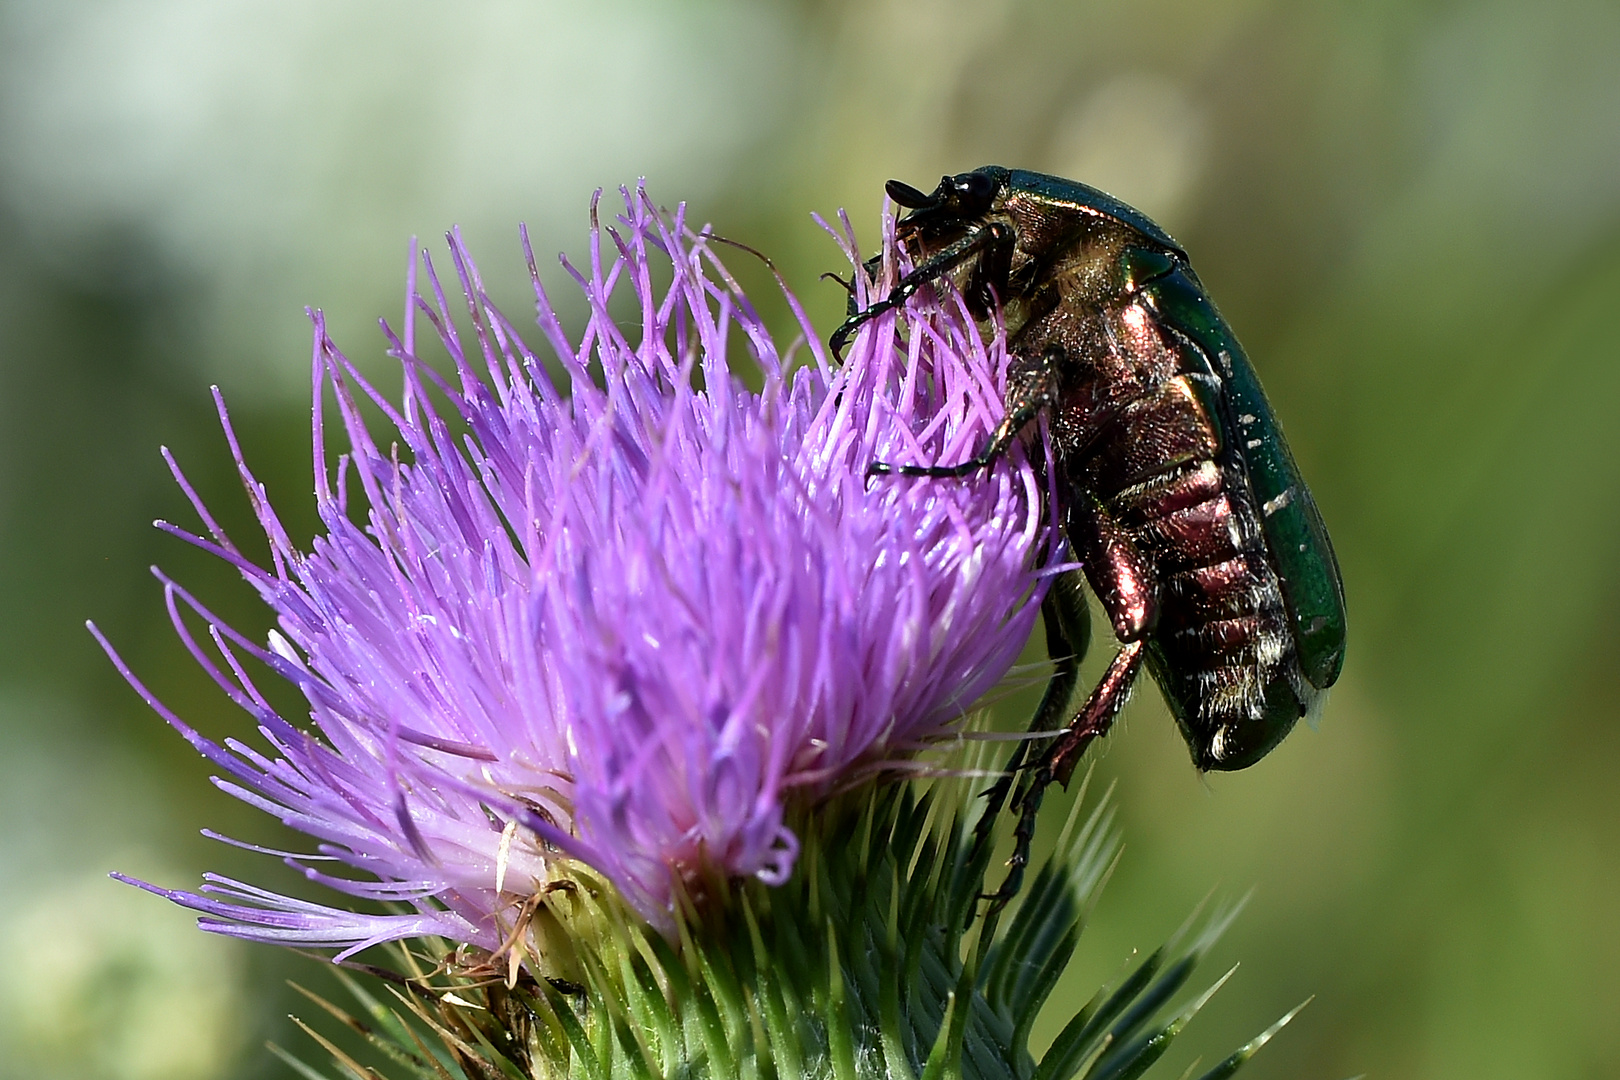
[[628, 617]]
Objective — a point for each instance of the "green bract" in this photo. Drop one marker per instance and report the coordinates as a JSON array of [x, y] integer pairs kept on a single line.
[[874, 962]]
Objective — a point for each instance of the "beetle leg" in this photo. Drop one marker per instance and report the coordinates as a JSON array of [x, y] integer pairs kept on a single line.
[[1095, 717], [994, 234], [1036, 391], [1058, 762], [1127, 588], [1122, 577], [1068, 634]]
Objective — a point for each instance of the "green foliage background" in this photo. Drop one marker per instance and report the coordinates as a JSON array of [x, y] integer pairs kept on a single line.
[[1408, 211]]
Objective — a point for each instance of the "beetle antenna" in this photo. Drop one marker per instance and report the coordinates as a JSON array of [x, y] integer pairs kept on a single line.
[[849, 286], [740, 246]]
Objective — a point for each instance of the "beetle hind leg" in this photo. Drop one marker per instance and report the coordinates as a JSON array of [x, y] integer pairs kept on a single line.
[[1067, 621], [1058, 761]]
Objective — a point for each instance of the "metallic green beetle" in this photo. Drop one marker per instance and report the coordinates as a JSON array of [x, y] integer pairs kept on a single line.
[[1177, 491]]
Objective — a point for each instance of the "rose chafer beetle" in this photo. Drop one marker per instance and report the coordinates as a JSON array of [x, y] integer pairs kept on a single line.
[[1177, 492]]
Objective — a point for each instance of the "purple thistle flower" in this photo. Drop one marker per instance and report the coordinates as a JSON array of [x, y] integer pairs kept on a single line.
[[626, 625]]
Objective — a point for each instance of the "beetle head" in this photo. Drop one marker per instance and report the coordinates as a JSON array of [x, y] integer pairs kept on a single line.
[[958, 198]]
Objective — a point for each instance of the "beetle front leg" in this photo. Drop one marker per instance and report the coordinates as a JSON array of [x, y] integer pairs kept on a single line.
[[1035, 392], [984, 238]]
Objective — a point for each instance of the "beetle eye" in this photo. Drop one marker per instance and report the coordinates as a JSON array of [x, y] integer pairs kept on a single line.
[[974, 192]]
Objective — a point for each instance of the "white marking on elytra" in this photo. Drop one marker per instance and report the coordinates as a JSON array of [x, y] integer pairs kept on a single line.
[[1273, 505]]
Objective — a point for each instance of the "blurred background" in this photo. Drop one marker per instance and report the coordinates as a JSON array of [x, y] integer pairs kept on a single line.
[[1409, 211]]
